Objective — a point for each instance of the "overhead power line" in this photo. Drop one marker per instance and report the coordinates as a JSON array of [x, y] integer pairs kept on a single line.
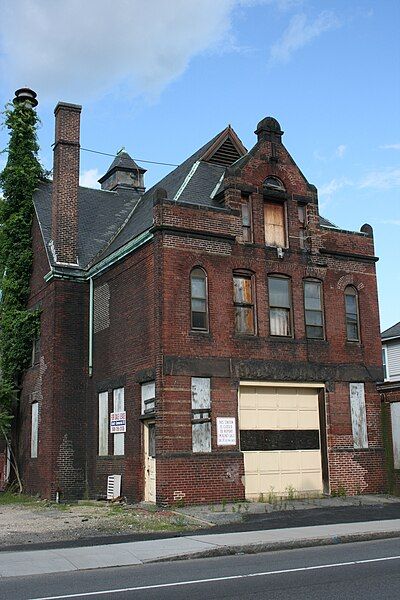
[[153, 162]]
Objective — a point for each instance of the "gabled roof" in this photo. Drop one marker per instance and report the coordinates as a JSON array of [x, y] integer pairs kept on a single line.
[[392, 332]]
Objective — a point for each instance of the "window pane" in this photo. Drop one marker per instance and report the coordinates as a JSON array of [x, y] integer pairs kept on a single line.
[[198, 305], [278, 288], [352, 330], [246, 234], [242, 290], [198, 287], [246, 215], [313, 317], [279, 321], [199, 320], [312, 295], [351, 304], [244, 319], [315, 332]]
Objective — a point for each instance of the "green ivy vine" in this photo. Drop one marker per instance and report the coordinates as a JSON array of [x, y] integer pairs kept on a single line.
[[19, 179]]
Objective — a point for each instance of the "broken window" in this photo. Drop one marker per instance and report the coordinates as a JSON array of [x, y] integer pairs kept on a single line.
[[201, 414], [199, 304], [103, 424], [34, 429], [279, 305], [246, 219], [301, 211], [35, 358], [275, 224], [358, 415], [119, 407], [313, 309], [243, 303], [352, 316]]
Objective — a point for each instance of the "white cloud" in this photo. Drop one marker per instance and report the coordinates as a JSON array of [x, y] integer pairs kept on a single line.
[[89, 178], [75, 49], [340, 150], [385, 179], [391, 222], [328, 189], [300, 32], [390, 147]]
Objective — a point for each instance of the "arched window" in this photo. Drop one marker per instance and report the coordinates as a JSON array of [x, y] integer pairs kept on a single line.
[[352, 314], [274, 183], [199, 300], [313, 309]]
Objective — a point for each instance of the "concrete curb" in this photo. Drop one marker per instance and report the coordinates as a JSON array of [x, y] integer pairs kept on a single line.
[[276, 546]]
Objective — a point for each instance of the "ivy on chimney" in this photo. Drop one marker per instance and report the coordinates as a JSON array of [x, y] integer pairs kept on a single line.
[[19, 179]]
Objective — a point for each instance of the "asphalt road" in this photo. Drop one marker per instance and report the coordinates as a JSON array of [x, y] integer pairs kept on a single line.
[[362, 570]]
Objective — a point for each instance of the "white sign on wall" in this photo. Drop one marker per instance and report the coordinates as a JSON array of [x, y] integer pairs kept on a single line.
[[118, 422], [226, 431]]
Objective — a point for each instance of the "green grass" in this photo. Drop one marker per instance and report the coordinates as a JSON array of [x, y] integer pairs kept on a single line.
[[12, 498]]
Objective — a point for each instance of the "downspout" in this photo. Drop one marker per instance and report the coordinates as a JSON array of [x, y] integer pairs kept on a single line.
[[90, 361]]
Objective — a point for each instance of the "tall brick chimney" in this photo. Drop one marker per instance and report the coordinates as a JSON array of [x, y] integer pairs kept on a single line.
[[64, 221]]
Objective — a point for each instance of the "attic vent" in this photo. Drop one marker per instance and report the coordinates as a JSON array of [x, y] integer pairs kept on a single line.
[[226, 154], [101, 302]]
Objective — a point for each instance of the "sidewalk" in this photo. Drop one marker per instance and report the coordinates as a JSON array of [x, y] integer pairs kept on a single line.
[[133, 553]]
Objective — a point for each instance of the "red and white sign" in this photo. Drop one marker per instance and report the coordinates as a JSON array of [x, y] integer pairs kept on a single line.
[[118, 422]]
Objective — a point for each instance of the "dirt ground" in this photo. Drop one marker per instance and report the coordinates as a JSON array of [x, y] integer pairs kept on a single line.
[[36, 522]]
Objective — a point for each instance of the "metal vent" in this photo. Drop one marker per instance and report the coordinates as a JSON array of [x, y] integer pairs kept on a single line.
[[226, 154]]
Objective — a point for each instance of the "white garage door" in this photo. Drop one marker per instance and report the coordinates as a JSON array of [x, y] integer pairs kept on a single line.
[[280, 440]]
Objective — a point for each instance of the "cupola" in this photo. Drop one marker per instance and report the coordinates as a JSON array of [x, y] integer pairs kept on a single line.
[[123, 173]]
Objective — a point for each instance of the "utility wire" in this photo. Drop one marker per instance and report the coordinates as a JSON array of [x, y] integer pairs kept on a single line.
[[153, 162]]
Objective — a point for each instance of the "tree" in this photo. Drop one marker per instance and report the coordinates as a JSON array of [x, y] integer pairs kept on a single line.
[[19, 179]]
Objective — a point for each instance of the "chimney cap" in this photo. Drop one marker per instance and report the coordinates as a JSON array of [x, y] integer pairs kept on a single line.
[[25, 94]]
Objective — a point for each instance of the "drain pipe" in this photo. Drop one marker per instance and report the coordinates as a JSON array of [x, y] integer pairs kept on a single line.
[[90, 361]]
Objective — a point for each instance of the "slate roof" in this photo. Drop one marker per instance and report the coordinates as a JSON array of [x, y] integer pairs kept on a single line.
[[110, 219], [392, 332], [101, 213], [122, 162]]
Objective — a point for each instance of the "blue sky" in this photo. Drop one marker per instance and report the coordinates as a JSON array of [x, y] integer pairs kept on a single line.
[[161, 77]]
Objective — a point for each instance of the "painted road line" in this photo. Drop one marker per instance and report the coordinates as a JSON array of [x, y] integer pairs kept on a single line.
[[216, 579]]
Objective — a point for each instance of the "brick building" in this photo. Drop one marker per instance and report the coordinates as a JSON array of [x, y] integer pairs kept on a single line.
[[236, 328]]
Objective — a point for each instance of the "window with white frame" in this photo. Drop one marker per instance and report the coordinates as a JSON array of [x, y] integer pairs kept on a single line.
[[119, 407], [148, 393], [280, 317], [34, 429], [103, 423]]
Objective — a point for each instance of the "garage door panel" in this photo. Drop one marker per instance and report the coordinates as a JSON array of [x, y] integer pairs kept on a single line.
[[284, 451]]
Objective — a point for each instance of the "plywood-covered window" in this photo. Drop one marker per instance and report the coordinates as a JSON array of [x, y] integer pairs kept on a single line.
[[352, 314], [34, 429], [103, 424], [243, 300], [313, 309], [199, 299], [358, 415], [201, 414], [280, 318], [246, 219], [275, 224]]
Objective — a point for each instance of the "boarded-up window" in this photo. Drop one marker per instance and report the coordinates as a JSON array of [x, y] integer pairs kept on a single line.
[[119, 406], [244, 304], [201, 414], [103, 424], [101, 308], [246, 220], [358, 415], [148, 397], [274, 223], [395, 418], [279, 306], [34, 429], [199, 304]]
